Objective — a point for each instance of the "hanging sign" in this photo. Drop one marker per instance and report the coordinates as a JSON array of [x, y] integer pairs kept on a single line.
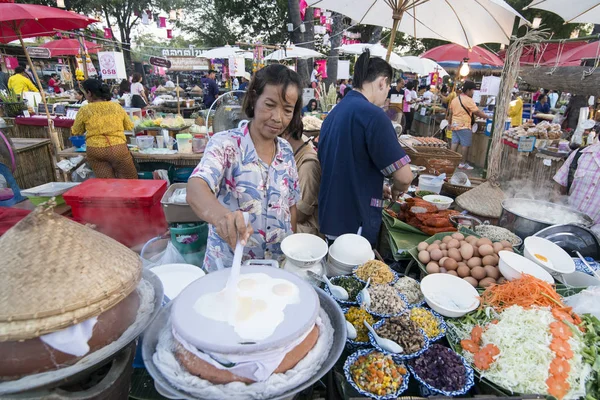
[[237, 66], [38, 52], [160, 62], [112, 65], [343, 69], [490, 85], [526, 144]]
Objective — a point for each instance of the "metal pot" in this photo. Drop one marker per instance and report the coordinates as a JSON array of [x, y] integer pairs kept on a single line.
[[524, 226]]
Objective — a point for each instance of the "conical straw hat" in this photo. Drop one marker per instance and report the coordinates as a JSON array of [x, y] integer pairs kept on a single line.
[[196, 89], [56, 273]]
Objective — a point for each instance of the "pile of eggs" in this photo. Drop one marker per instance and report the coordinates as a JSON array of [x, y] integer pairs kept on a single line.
[[471, 258]]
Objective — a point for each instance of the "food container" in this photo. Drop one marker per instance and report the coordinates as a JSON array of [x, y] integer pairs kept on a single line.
[[514, 216], [549, 256], [398, 356], [177, 212], [425, 183], [198, 143], [441, 202], [41, 194], [512, 266], [449, 295], [145, 142], [184, 143], [303, 249], [77, 141]]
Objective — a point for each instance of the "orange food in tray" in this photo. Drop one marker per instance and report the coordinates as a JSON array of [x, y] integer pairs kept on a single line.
[[426, 217]]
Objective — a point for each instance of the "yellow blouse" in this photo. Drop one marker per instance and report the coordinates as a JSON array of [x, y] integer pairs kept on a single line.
[[105, 123]]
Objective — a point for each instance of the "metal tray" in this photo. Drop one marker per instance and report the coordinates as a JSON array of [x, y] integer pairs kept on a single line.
[[91, 361], [332, 309]]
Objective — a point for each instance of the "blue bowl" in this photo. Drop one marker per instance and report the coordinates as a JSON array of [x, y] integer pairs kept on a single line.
[[396, 277], [373, 313], [417, 304], [441, 324], [77, 141], [398, 356], [342, 302], [352, 359], [428, 390], [353, 345]]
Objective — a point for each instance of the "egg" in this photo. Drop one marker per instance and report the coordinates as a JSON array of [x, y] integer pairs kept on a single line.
[[443, 246], [443, 270], [438, 242], [446, 239], [491, 272], [445, 253], [466, 251], [471, 239], [474, 262], [509, 249], [486, 250], [455, 254], [458, 236], [462, 264], [436, 254], [432, 268], [424, 256], [422, 246], [506, 243], [452, 273], [474, 282], [451, 264], [501, 280], [478, 273], [498, 247], [442, 261], [476, 251], [485, 282], [432, 247], [453, 244], [463, 271], [489, 260], [543, 260], [482, 241]]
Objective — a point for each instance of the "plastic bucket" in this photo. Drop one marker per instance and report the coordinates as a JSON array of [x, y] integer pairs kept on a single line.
[[189, 238], [425, 183]]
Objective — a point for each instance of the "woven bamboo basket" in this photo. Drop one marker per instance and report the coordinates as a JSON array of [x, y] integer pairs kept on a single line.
[[429, 156], [456, 190], [57, 273]]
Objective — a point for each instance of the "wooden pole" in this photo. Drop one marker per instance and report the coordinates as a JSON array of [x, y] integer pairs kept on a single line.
[[177, 91], [397, 15]]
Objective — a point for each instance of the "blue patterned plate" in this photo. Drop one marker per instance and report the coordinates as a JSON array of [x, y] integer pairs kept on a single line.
[[354, 345], [342, 302], [392, 396], [373, 313], [470, 381], [441, 324], [397, 356], [418, 303], [580, 266], [396, 276]]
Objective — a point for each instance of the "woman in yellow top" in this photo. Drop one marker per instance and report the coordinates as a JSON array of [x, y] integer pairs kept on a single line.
[[20, 82], [105, 123], [515, 111]]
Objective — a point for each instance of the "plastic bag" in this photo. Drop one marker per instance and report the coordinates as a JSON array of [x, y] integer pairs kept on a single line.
[[152, 258], [586, 301]]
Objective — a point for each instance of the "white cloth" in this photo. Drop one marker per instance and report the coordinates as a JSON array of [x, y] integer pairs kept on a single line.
[[552, 99], [236, 84], [257, 367], [313, 76], [413, 96], [277, 384], [137, 88], [72, 340], [169, 84]]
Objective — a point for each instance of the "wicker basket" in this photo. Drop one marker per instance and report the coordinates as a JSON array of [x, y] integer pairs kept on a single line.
[[456, 190], [430, 156]]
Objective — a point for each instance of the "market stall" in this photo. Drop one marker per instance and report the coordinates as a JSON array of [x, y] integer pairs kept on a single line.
[[34, 160]]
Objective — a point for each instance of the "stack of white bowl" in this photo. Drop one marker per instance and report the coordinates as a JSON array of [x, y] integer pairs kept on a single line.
[[347, 252]]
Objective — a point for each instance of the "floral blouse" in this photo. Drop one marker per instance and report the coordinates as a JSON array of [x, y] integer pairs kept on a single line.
[[242, 181]]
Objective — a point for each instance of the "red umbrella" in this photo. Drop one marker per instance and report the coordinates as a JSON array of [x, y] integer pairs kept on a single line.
[[69, 47], [545, 53], [573, 57], [30, 20], [456, 53]]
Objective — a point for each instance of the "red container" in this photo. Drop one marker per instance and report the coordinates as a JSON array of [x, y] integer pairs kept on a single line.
[[127, 210]]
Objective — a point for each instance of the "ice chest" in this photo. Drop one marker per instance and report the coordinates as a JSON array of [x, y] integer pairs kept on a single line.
[[127, 210], [177, 212]]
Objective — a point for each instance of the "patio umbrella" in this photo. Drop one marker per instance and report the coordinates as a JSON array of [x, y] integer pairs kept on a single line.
[[580, 11], [465, 22], [293, 52], [424, 66], [376, 50], [224, 52], [70, 47], [574, 56], [455, 53], [18, 21], [546, 53]]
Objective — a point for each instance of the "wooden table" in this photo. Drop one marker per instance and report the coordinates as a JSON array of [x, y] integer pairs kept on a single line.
[[35, 165]]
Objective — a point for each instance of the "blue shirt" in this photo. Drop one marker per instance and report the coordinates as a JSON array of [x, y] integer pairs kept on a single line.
[[211, 91], [541, 108], [358, 147]]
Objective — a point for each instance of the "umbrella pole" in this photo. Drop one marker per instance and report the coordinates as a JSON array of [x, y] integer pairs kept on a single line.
[[177, 91], [397, 18], [53, 134]]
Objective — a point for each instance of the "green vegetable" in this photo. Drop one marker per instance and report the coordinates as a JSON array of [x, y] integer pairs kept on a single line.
[[423, 193], [351, 284], [591, 354]]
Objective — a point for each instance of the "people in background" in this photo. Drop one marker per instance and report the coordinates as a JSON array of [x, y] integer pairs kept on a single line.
[[343, 85], [105, 122], [169, 83], [541, 106], [245, 81], [155, 85], [124, 87], [3, 80], [358, 147], [235, 84], [20, 82], [210, 88], [537, 94], [398, 89], [428, 96], [54, 83], [252, 170], [463, 111], [314, 73], [309, 177], [317, 86], [80, 97], [552, 98], [407, 106], [348, 90], [310, 107], [138, 92], [515, 111], [576, 103], [349, 84]]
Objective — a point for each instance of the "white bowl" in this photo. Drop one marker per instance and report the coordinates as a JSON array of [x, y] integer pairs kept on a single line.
[[351, 249], [304, 249], [559, 261], [441, 202], [176, 277], [449, 295], [512, 265], [578, 279]]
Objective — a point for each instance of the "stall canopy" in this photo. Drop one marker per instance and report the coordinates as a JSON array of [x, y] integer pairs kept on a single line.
[[580, 11], [293, 52], [575, 56], [424, 66], [376, 50], [546, 52], [226, 52], [69, 47], [452, 55]]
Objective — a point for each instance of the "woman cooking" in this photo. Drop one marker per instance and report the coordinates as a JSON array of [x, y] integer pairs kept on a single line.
[[358, 147], [105, 123], [251, 170]]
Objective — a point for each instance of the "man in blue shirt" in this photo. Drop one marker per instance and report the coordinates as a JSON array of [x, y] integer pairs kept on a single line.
[[357, 149], [210, 88]]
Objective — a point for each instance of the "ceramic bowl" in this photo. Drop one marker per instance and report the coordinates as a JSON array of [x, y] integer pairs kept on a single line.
[[303, 249], [449, 295], [558, 261], [378, 315], [334, 280], [441, 324], [394, 280], [401, 356], [513, 265], [354, 345], [441, 202], [351, 249]]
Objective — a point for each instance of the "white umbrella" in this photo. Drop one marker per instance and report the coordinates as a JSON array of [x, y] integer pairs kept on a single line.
[[424, 66], [224, 52], [465, 22], [376, 50], [293, 52], [580, 11]]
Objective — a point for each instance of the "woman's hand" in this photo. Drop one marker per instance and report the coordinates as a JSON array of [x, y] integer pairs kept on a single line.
[[232, 225]]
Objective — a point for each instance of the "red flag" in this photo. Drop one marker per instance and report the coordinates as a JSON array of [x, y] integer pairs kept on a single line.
[[108, 33], [323, 19], [303, 6], [163, 22], [317, 12], [169, 33], [328, 27]]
